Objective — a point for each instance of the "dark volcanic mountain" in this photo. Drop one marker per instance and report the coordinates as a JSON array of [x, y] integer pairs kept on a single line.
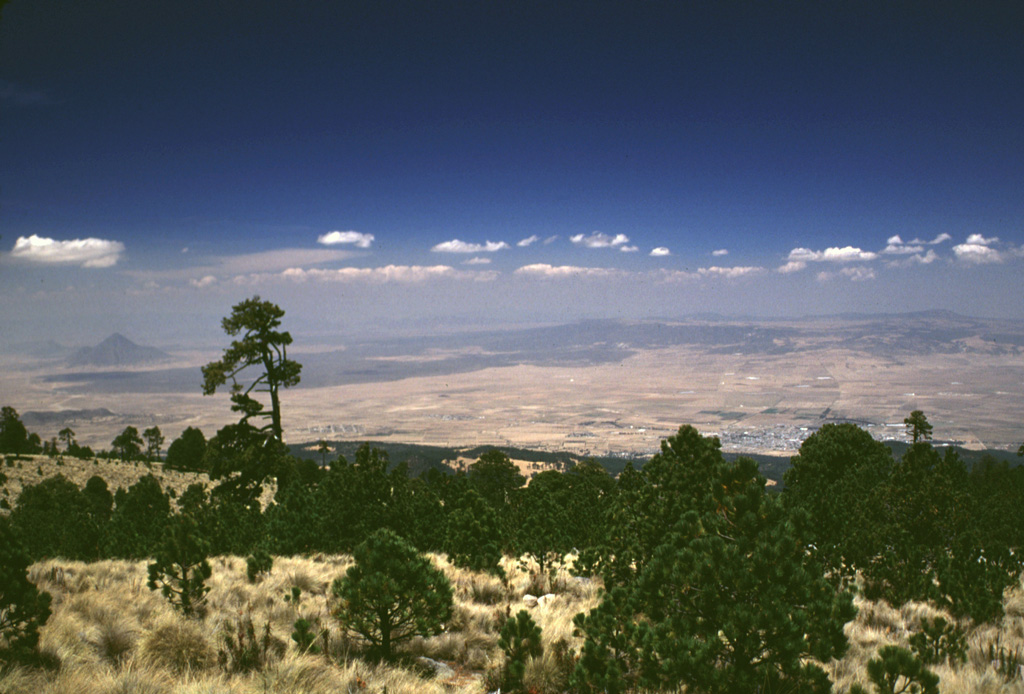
[[117, 350]]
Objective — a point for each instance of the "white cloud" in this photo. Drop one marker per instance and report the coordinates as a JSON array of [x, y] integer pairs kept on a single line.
[[979, 240], [551, 239], [707, 272], [917, 242], [403, 274], [977, 253], [896, 246], [245, 264], [916, 259], [846, 254], [730, 272], [545, 270], [824, 276], [206, 281], [528, 240], [629, 249], [660, 251], [792, 266], [356, 238], [977, 250], [477, 261], [90, 252], [456, 246], [858, 274], [720, 252], [599, 240]]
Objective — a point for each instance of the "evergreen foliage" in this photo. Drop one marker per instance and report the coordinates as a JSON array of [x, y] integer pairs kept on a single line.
[[391, 594], [519, 639], [230, 526], [837, 480], [914, 528], [541, 523], [495, 477], [101, 501], [918, 426], [138, 521], [897, 670], [13, 435], [929, 545], [262, 345], [473, 536], [416, 512], [55, 519], [258, 564], [180, 569], [187, 451], [243, 459], [23, 608], [127, 445], [310, 636], [291, 521], [725, 600], [154, 441], [939, 642]]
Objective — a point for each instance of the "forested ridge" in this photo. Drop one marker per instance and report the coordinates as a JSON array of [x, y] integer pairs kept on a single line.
[[695, 574]]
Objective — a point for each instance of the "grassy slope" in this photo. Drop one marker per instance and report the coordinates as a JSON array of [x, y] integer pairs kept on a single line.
[[110, 633], [32, 469]]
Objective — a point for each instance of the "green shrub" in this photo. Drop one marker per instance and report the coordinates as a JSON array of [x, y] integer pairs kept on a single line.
[[73, 533], [939, 641], [897, 670], [258, 564], [473, 535], [310, 636], [392, 594], [520, 639], [180, 568], [713, 588]]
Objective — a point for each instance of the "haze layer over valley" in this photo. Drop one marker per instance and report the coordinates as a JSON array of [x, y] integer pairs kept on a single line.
[[597, 387]]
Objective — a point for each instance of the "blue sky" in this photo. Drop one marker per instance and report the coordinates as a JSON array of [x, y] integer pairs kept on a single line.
[[380, 167]]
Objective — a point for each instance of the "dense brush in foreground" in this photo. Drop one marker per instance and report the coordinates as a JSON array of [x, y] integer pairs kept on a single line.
[[110, 633]]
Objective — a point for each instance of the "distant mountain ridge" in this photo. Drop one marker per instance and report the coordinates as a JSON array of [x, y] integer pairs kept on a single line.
[[117, 350]]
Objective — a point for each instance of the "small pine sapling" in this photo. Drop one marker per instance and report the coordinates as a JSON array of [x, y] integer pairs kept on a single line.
[[392, 594], [310, 636], [897, 671], [180, 568], [520, 639], [258, 564], [939, 642]]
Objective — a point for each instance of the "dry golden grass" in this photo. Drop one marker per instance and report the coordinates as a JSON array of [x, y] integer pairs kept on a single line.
[[878, 624], [25, 471], [109, 633]]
